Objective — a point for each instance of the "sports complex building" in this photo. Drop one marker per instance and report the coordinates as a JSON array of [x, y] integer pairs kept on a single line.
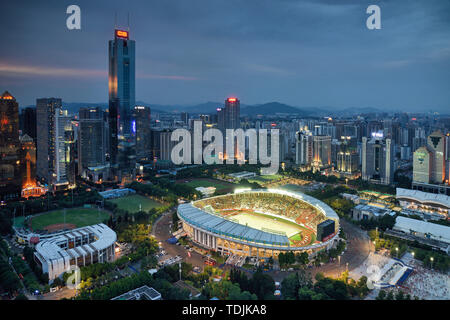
[[432, 204], [80, 247], [260, 223]]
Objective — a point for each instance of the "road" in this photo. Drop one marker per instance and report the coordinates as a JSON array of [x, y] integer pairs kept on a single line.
[[358, 249], [161, 231]]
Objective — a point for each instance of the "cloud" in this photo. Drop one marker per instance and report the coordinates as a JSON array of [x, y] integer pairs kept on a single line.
[[396, 63], [267, 69], [49, 71], [168, 77], [72, 72]]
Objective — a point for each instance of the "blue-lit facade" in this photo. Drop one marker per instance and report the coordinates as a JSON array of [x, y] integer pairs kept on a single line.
[[121, 83]]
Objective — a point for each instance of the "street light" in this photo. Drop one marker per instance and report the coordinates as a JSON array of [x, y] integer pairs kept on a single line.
[[396, 249], [432, 259]]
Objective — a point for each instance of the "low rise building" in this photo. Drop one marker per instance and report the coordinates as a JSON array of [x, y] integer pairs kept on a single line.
[[370, 211], [242, 175], [141, 293], [77, 247], [422, 229], [424, 202]]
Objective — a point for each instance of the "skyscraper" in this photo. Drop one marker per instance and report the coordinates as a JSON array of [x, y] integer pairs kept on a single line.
[[29, 122], [142, 116], [422, 165], [347, 157], [436, 144], [91, 140], [45, 142], [377, 159], [429, 164], [232, 113], [303, 148], [28, 168], [322, 151], [185, 118], [121, 83], [229, 118], [64, 174], [10, 176]]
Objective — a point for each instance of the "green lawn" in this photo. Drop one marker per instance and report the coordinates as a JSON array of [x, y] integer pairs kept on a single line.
[[296, 237], [219, 185], [78, 216], [265, 178], [131, 203]]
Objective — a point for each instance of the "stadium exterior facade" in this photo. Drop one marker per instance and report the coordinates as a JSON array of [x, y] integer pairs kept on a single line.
[[80, 247], [217, 233]]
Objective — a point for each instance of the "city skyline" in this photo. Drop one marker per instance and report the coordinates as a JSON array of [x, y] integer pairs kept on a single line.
[[312, 55]]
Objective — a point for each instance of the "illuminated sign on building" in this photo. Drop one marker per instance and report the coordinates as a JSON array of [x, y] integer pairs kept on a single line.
[[377, 134], [122, 34], [231, 99]]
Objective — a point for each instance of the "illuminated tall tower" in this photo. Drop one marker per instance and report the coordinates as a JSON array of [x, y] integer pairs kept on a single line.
[[232, 113], [121, 83], [10, 178]]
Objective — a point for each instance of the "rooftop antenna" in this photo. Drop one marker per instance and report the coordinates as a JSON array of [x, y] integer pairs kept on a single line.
[[128, 20], [115, 20]]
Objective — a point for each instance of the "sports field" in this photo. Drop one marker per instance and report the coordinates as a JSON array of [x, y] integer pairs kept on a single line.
[[298, 235], [219, 185], [79, 217], [262, 221], [265, 178], [135, 202]]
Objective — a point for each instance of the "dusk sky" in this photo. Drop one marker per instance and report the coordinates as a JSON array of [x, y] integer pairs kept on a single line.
[[311, 53]]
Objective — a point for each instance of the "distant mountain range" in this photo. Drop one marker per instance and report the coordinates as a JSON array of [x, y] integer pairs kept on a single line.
[[270, 108]]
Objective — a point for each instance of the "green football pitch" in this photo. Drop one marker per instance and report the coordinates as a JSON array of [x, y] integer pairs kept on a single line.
[[80, 217], [134, 202]]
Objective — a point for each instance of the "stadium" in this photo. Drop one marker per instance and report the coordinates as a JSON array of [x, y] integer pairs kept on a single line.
[[260, 223]]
